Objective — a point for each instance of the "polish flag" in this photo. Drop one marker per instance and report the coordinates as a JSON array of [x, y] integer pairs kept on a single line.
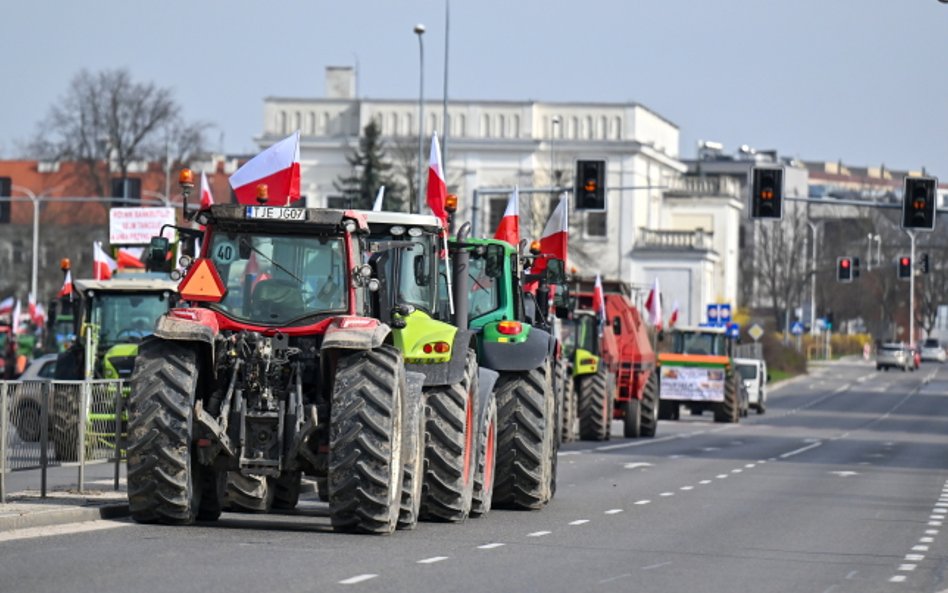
[[37, 312], [674, 316], [277, 167], [207, 200], [509, 228], [437, 188], [599, 299], [66, 290], [653, 305], [6, 306], [130, 257], [102, 264], [15, 320], [555, 238]]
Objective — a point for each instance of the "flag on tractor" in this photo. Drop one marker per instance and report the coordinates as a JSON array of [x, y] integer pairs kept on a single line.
[[555, 239], [653, 305], [66, 290], [277, 167], [673, 319], [102, 263], [509, 228], [207, 199], [437, 189]]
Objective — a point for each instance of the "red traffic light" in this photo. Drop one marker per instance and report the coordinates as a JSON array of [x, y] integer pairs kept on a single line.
[[904, 261], [844, 263]]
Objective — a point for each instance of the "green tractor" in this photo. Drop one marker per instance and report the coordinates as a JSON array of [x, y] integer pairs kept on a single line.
[[429, 328], [515, 338], [112, 317]]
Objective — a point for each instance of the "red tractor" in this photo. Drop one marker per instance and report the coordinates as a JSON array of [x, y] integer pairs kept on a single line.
[[613, 363], [274, 367]]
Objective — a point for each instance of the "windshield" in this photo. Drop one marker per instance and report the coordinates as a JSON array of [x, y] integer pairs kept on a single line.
[[587, 334], [410, 268], [279, 279], [747, 371], [484, 270], [699, 343], [127, 317]]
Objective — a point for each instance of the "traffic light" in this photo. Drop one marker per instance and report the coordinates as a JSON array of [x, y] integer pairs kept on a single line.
[[844, 269], [918, 203], [905, 267], [591, 185], [924, 263], [767, 192], [855, 268], [6, 206]]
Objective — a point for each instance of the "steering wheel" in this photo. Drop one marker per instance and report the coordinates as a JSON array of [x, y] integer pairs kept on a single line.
[[134, 334]]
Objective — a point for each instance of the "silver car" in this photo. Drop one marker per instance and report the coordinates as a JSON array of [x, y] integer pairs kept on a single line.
[[932, 351], [896, 356]]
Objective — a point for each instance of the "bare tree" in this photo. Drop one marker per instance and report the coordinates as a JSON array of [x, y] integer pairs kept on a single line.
[[783, 273], [105, 121]]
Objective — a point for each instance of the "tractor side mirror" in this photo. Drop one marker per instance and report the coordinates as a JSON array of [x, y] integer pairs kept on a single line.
[[555, 271], [158, 250]]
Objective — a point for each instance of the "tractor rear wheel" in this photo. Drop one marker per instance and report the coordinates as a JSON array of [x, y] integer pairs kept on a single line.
[[451, 451], [632, 419], [568, 417], [164, 479], [526, 411], [730, 409], [486, 461], [365, 441], [650, 406], [248, 493], [64, 406], [413, 468], [596, 395]]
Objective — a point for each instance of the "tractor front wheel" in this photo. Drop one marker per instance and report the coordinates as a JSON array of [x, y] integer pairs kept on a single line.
[[650, 406], [596, 400]]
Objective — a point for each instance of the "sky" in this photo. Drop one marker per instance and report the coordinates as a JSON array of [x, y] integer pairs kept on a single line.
[[864, 81]]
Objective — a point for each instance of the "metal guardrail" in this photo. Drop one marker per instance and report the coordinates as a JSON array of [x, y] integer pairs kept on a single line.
[[45, 424], [752, 350]]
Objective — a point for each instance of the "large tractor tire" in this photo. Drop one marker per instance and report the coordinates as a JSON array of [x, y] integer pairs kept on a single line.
[[413, 468], [569, 413], [248, 493], [165, 482], [730, 409], [650, 406], [486, 462], [596, 401], [286, 490], [64, 406], [451, 450], [365, 441], [632, 419], [526, 441]]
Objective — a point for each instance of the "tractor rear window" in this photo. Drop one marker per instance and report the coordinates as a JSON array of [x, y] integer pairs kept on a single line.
[[280, 279], [483, 287], [699, 343], [123, 318], [747, 371]]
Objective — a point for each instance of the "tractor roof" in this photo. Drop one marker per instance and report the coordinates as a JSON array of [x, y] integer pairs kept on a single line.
[[420, 220], [691, 329], [487, 241], [128, 285]]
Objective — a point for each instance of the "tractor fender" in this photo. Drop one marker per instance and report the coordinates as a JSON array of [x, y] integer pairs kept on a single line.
[[355, 333], [486, 380], [451, 372], [522, 356], [189, 325]]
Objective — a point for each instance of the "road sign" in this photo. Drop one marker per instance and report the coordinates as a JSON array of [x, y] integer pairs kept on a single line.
[[755, 332], [713, 316], [734, 330], [724, 313], [796, 328]]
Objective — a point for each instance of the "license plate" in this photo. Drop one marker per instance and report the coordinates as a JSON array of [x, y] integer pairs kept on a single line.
[[273, 213]]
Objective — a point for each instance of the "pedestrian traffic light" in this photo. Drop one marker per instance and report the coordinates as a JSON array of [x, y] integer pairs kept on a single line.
[[905, 267], [844, 269], [6, 206], [924, 263], [590, 190], [918, 203], [767, 192]]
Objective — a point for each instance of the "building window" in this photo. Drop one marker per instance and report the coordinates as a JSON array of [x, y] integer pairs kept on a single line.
[[573, 131], [485, 126], [603, 132], [515, 125], [618, 129], [297, 121], [281, 122], [130, 189], [311, 122], [596, 225], [324, 125], [495, 213], [460, 123], [408, 124], [501, 127], [589, 127], [394, 128]]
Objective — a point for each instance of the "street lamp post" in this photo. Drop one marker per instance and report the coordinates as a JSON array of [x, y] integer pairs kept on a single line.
[[419, 31], [36, 220], [554, 122]]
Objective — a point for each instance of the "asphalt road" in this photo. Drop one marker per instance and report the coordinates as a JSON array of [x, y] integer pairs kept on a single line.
[[842, 486]]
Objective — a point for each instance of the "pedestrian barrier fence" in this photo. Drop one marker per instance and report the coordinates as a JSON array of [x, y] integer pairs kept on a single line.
[[61, 423]]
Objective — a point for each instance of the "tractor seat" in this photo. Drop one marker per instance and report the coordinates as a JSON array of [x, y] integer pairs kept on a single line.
[[276, 300]]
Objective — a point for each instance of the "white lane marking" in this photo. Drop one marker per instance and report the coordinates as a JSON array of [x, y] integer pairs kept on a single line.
[[845, 473], [642, 501], [800, 450], [935, 523], [926, 540], [432, 560], [667, 494], [920, 548], [579, 522], [613, 511], [357, 579], [654, 566], [750, 465], [675, 456], [687, 488], [761, 461], [721, 476], [710, 449], [736, 471], [615, 578], [938, 511], [811, 440], [51, 530], [897, 579], [852, 575], [637, 465], [914, 557], [907, 567], [705, 482], [931, 532], [936, 517], [646, 442], [565, 453], [539, 533], [490, 546]]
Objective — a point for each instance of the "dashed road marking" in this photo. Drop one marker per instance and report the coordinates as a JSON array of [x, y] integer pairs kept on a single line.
[[935, 523], [736, 471], [654, 566], [721, 476], [915, 557], [687, 488], [926, 540], [705, 482], [615, 578], [667, 494], [931, 532], [359, 578], [907, 567], [539, 533], [637, 465], [613, 511], [579, 522], [432, 560], [801, 450], [490, 546], [897, 579], [646, 501], [920, 548], [750, 465]]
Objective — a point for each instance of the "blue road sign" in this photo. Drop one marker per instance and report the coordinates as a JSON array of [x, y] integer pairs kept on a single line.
[[724, 313], [796, 328]]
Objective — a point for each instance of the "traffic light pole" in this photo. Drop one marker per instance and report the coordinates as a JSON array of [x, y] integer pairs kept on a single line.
[[911, 235]]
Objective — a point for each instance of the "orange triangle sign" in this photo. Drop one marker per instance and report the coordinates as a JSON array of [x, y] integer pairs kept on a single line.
[[202, 283]]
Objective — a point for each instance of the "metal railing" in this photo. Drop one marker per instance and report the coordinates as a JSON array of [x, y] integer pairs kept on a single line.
[[46, 424], [674, 240]]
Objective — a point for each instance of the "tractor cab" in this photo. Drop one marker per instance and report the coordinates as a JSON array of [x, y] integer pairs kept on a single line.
[[707, 341]]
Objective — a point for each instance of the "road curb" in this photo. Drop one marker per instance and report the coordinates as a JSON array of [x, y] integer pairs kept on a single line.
[[63, 516]]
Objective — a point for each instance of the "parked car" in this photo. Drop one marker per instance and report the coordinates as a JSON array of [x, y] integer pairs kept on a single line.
[[932, 351], [25, 403], [894, 356], [753, 372]]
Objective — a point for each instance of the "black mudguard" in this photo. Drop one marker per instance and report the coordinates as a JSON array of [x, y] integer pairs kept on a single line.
[[451, 372], [523, 356], [486, 380]]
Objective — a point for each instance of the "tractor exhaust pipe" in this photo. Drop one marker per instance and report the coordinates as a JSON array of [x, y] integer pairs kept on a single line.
[[459, 271]]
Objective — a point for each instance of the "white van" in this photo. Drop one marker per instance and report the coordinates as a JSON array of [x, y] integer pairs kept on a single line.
[[754, 373]]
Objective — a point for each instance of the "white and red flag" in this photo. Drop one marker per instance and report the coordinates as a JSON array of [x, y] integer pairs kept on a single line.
[[599, 299], [277, 167], [437, 188], [555, 239], [673, 319], [509, 228], [66, 290], [207, 199], [15, 320], [130, 257], [6, 305], [102, 263], [37, 312], [653, 305]]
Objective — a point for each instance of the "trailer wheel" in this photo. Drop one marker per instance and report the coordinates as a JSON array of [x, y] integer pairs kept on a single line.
[[596, 394], [365, 441], [413, 467], [730, 409], [526, 411], [164, 479], [486, 462], [650, 406], [450, 453], [248, 493]]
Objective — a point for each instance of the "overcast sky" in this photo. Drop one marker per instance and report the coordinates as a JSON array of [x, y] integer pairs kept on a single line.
[[865, 81]]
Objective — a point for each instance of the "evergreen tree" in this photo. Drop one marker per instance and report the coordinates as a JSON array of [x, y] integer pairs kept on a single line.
[[370, 170]]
